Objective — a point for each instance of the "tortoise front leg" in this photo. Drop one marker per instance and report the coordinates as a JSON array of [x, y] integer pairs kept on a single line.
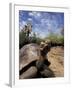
[[43, 70]]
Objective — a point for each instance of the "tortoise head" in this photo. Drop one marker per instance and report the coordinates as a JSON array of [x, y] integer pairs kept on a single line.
[[45, 47]]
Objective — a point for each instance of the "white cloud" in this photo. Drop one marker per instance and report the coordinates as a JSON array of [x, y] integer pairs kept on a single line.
[[45, 21], [22, 24], [50, 25], [29, 19], [41, 33], [58, 31], [46, 24], [35, 14], [38, 14], [42, 21], [30, 14]]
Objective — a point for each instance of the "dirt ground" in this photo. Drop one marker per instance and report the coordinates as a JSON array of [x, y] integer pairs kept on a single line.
[[56, 57]]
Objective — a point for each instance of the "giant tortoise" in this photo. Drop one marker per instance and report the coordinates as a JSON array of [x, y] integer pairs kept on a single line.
[[33, 62]]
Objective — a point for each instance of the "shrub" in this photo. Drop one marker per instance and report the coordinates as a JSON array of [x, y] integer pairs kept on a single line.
[[56, 39], [23, 39]]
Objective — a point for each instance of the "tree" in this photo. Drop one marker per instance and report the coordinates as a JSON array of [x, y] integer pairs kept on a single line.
[[24, 35], [28, 29]]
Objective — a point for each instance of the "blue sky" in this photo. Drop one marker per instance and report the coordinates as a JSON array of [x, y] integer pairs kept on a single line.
[[42, 22]]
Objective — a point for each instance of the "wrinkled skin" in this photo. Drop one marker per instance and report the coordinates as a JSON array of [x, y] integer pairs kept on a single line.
[[43, 70]]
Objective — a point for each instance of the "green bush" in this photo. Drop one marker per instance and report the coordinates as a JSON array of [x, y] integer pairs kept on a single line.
[[56, 39], [36, 40], [24, 39]]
